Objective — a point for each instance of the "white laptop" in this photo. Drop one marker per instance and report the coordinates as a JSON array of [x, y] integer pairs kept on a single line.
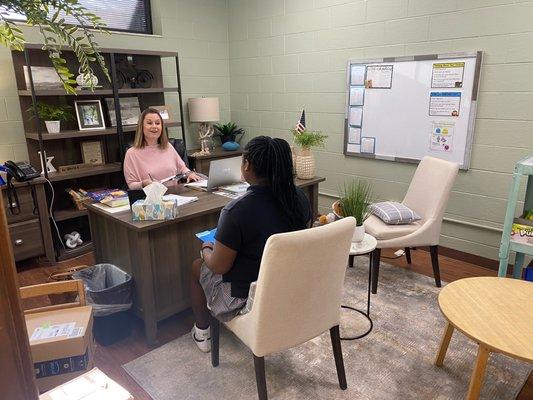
[[222, 172]]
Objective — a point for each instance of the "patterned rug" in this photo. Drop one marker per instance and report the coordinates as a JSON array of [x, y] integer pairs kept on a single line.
[[395, 361]]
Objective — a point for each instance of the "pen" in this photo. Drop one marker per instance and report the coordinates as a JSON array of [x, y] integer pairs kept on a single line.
[[150, 176]]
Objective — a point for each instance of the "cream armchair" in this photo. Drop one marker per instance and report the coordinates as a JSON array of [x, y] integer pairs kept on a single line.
[[428, 195], [298, 296]]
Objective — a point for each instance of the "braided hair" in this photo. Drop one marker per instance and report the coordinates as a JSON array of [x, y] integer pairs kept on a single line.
[[271, 160]]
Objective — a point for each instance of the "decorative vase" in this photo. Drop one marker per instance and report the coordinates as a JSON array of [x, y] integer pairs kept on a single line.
[[52, 126], [358, 234], [305, 164]]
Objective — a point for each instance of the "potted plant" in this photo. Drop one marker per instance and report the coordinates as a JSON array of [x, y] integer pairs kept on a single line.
[[355, 201], [305, 160], [229, 133], [52, 115]]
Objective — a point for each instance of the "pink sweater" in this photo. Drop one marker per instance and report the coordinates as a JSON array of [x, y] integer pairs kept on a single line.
[[160, 164]]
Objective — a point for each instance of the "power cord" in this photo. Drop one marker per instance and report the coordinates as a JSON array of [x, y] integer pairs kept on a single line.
[[52, 216]]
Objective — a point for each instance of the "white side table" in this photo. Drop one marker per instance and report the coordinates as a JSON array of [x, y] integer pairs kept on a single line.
[[366, 246]]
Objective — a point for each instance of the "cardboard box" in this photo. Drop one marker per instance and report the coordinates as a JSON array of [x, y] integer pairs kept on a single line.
[[93, 385], [61, 343], [152, 212]]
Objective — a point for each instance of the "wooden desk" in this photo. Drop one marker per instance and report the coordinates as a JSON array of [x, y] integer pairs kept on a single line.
[[497, 313], [201, 163], [158, 254]]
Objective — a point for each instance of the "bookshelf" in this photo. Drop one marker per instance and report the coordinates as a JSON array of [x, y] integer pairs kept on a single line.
[[65, 146]]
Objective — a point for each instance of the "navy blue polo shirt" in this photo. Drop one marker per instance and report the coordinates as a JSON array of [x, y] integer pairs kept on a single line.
[[245, 224]]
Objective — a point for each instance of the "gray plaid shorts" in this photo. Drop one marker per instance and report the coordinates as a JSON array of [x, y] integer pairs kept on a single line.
[[218, 295]]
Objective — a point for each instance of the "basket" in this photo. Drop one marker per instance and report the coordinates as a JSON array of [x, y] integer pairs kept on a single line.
[[305, 164], [64, 275]]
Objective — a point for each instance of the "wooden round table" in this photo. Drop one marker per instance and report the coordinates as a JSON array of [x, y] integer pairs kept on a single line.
[[497, 313]]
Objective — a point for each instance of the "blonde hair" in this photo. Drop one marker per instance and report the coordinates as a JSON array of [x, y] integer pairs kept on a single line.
[[139, 141]]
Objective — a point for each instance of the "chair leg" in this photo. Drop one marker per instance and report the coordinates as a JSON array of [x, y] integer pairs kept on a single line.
[[350, 261], [260, 379], [408, 255], [434, 250], [337, 353], [375, 269], [215, 335]]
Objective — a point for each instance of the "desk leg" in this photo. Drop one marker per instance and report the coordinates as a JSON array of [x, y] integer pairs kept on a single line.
[[444, 345], [142, 261], [313, 199], [479, 373]]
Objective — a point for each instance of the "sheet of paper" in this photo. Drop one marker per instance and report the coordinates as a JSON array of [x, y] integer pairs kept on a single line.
[[356, 116], [357, 96], [357, 75], [368, 145], [379, 76], [197, 184], [112, 210], [52, 331], [441, 138], [180, 199], [444, 104], [354, 135], [447, 75], [227, 194]]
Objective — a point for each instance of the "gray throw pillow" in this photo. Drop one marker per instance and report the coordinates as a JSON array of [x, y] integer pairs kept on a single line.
[[394, 213]]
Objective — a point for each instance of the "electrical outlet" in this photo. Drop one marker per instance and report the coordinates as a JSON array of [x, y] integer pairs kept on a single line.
[[399, 253]]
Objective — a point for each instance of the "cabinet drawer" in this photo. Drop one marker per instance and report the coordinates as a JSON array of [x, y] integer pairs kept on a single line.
[[26, 239], [26, 206]]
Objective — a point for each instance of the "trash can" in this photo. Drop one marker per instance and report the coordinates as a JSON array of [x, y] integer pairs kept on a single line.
[[108, 291]]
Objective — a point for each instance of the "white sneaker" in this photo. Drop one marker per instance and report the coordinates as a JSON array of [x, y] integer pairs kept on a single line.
[[202, 338]]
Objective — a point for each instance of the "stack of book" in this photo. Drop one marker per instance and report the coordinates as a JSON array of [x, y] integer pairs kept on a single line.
[[109, 197]]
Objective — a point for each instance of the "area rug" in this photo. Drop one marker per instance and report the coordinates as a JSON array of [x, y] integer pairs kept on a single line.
[[395, 361]]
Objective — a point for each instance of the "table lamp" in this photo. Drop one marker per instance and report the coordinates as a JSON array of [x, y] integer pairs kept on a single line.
[[204, 110]]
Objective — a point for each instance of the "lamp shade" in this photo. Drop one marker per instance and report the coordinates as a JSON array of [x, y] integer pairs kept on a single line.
[[203, 109]]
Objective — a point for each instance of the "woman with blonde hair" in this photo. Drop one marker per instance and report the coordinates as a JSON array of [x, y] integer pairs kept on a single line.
[[152, 158]]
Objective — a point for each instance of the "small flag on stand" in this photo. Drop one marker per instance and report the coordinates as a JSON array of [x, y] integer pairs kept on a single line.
[[300, 126]]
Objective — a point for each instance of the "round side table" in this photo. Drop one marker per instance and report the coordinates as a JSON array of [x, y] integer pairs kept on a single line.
[[366, 246]]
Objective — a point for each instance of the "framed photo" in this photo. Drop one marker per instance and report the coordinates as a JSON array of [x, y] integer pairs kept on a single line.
[[92, 152], [89, 114], [129, 110], [43, 78], [164, 111]]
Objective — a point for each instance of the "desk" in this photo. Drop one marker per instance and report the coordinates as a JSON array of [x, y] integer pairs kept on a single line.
[[158, 254], [494, 312]]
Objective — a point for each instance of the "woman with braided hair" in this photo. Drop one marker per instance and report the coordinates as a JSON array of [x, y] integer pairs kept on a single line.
[[272, 204]]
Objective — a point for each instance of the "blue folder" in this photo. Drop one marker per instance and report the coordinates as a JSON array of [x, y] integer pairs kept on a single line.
[[207, 236]]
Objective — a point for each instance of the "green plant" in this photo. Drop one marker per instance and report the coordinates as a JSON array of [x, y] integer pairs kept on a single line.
[[48, 17], [229, 132], [50, 112], [308, 139], [356, 199]]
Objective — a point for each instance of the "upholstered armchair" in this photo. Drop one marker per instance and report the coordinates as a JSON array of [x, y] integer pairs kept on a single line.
[[297, 297], [428, 195]]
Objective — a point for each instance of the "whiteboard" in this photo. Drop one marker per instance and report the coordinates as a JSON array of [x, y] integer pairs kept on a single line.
[[404, 108]]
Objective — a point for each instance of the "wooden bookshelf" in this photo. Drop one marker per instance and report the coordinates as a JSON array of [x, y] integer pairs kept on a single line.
[[80, 173], [64, 215], [96, 92]]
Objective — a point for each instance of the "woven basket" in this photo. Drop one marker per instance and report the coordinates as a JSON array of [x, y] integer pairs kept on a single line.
[[305, 164], [294, 153]]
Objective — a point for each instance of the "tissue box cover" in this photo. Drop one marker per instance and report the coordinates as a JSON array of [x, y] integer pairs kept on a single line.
[[152, 212]]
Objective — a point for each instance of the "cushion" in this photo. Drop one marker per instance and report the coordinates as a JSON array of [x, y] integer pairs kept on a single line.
[[381, 231], [393, 213]]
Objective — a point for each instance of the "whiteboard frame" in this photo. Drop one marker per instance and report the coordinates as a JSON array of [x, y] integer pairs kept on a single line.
[[478, 55]]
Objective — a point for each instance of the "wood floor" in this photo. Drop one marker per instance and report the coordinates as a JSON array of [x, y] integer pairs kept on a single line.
[[110, 359]]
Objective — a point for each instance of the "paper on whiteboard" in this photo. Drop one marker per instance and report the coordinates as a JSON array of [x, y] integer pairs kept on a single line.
[[368, 145], [441, 138], [356, 116], [448, 75], [378, 77], [354, 135], [357, 75], [357, 96], [444, 104]]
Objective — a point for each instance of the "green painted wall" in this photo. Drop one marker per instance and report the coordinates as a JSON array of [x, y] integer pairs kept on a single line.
[[287, 54], [197, 29]]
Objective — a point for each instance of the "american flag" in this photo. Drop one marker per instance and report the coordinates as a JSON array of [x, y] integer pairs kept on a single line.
[[300, 126]]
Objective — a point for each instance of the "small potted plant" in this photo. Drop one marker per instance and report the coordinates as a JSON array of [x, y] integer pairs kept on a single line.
[[52, 115], [229, 133], [355, 202], [305, 160]]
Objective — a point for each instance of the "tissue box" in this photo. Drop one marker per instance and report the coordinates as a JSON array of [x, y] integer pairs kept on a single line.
[[152, 212]]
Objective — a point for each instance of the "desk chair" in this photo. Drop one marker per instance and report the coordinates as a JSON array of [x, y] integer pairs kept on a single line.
[[428, 195], [298, 296], [45, 289]]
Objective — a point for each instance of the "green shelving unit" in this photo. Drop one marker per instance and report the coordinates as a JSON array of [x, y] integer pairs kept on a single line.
[[522, 168]]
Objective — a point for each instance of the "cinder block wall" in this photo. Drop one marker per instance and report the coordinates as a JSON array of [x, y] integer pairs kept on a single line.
[[293, 53]]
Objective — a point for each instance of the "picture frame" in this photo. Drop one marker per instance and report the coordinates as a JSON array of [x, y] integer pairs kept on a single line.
[[89, 114], [130, 111], [92, 152], [44, 78], [164, 111]]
